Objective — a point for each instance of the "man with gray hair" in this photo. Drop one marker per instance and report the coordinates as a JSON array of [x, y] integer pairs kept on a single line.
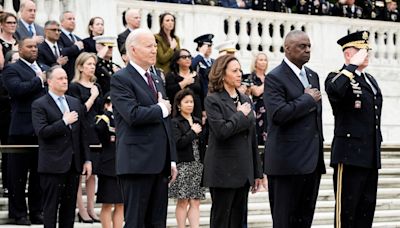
[[50, 51], [146, 152], [132, 18], [26, 24]]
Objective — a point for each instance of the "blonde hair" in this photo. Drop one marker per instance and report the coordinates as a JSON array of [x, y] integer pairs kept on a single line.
[[82, 58], [254, 61]]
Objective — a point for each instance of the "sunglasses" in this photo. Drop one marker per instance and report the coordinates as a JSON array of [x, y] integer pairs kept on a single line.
[[54, 30], [11, 22], [185, 57]]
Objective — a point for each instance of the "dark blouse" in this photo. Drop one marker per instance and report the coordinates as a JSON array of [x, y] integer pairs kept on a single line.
[[89, 44]]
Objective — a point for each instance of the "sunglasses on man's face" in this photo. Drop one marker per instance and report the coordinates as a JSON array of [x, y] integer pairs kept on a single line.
[[54, 29]]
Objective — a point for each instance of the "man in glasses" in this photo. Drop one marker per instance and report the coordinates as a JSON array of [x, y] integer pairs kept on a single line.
[[356, 102], [50, 51]]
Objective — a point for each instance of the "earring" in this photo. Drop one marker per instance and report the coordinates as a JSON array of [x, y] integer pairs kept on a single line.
[[179, 108]]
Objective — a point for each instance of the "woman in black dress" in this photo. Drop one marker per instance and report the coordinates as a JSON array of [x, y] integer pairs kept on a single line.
[[8, 22], [95, 28], [182, 76], [108, 192], [84, 88]]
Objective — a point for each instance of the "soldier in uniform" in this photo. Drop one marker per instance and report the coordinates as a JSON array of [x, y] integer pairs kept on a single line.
[[391, 12], [347, 8], [105, 68], [372, 9], [271, 5], [313, 7], [356, 102]]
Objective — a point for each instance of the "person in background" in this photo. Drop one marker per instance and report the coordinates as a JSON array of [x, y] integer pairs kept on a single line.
[[26, 24], [132, 18], [8, 24], [84, 88], [232, 163], [202, 62], [391, 13], [95, 28], [109, 193], [167, 42], [241, 4], [181, 77], [227, 47], [63, 151], [190, 153]]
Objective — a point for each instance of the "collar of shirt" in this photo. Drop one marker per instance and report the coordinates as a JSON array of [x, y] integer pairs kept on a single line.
[[51, 44], [55, 97], [66, 32], [140, 70], [29, 64], [27, 26], [358, 72], [131, 29], [294, 68]]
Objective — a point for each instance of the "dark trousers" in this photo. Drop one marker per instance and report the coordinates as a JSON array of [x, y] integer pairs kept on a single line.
[[59, 195], [355, 193], [4, 156], [292, 199], [145, 200], [228, 207], [19, 164]]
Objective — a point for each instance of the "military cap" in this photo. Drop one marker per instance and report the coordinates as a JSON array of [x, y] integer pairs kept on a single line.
[[357, 39], [204, 39], [109, 41], [228, 46]]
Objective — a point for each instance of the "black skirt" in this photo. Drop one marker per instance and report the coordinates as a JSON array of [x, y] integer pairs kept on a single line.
[[109, 190]]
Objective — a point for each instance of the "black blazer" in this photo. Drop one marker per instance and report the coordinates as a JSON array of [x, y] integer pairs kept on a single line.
[[70, 50], [184, 136], [58, 143], [145, 143], [23, 87], [294, 143], [357, 138], [46, 54], [232, 158], [89, 44], [105, 128], [122, 38]]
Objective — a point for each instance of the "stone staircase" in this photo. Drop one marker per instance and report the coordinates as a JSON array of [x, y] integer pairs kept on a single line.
[[387, 213]]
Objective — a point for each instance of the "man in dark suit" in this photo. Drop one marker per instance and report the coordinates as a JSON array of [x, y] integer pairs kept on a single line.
[[294, 146], [24, 82], [72, 44], [26, 24], [132, 18], [146, 152], [356, 102], [50, 51], [63, 150]]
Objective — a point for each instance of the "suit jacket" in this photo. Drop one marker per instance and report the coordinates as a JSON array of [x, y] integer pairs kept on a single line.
[[122, 38], [58, 143], [23, 32], [357, 138], [164, 53], [46, 54], [23, 87], [199, 64], [294, 143], [105, 128], [231, 159], [145, 143], [70, 50]]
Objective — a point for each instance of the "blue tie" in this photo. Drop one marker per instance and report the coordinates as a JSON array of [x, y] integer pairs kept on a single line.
[[303, 79], [30, 30], [62, 104]]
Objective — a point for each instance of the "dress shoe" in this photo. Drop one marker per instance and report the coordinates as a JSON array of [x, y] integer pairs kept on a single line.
[[22, 221], [37, 219], [94, 219], [80, 219]]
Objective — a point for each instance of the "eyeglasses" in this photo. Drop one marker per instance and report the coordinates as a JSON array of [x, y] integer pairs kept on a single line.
[[11, 22], [54, 30], [185, 57]]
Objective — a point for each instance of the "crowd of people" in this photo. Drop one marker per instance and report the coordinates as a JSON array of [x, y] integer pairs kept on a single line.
[[171, 125]]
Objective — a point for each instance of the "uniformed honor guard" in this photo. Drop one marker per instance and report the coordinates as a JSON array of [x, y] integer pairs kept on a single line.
[[271, 5], [391, 12], [347, 8], [105, 68], [356, 102]]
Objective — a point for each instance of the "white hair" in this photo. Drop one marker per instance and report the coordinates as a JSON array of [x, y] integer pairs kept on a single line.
[[133, 37]]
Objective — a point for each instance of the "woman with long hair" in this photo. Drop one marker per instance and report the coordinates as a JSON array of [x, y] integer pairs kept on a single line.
[[167, 41], [95, 28], [85, 88], [8, 25]]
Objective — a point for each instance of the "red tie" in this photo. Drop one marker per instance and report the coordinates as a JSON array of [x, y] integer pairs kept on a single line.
[[150, 83]]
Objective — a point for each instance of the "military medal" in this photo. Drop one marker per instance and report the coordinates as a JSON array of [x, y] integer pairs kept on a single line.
[[357, 91]]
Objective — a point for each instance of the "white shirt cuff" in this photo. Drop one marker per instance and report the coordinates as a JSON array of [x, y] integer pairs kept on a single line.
[[65, 121], [163, 109], [173, 164]]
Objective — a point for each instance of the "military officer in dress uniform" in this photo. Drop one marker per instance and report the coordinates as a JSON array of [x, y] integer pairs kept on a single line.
[[271, 5], [391, 12], [356, 102], [314, 7], [372, 9], [105, 68], [347, 8]]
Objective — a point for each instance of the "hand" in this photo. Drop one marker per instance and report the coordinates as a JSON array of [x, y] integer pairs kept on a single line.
[[115, 68], [203, 49], [15, 47], [165, 102], [196, 128], [173, 43], [102, 52], [87, 169], [203, 117], [189, 80], [174, 173], [79, 44], [70, 117], [265, 182], [62, 60], [38, 39], [314, 92], [245, 108], [42, 75], [94, 91], [242, 89], [358, 58], [256, 186]]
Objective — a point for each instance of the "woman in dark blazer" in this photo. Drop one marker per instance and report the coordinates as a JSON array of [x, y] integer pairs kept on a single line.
[[95, 28], [231, 163]]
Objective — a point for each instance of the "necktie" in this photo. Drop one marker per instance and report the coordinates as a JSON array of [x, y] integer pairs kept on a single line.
[[303, 79], [150, 83], [369, 82], [37, 70], [72, 37], [30, 30], [56, 52], [63, 108]]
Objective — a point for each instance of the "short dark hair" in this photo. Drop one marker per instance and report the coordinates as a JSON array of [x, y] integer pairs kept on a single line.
[[51, 22], [217, 73], [50, 71], [178, 98], [174, 66]]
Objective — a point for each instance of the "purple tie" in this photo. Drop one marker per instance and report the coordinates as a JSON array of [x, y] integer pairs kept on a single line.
[[150, 83]]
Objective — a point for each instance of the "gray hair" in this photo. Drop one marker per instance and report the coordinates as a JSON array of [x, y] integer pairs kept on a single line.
[[132, 39]]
